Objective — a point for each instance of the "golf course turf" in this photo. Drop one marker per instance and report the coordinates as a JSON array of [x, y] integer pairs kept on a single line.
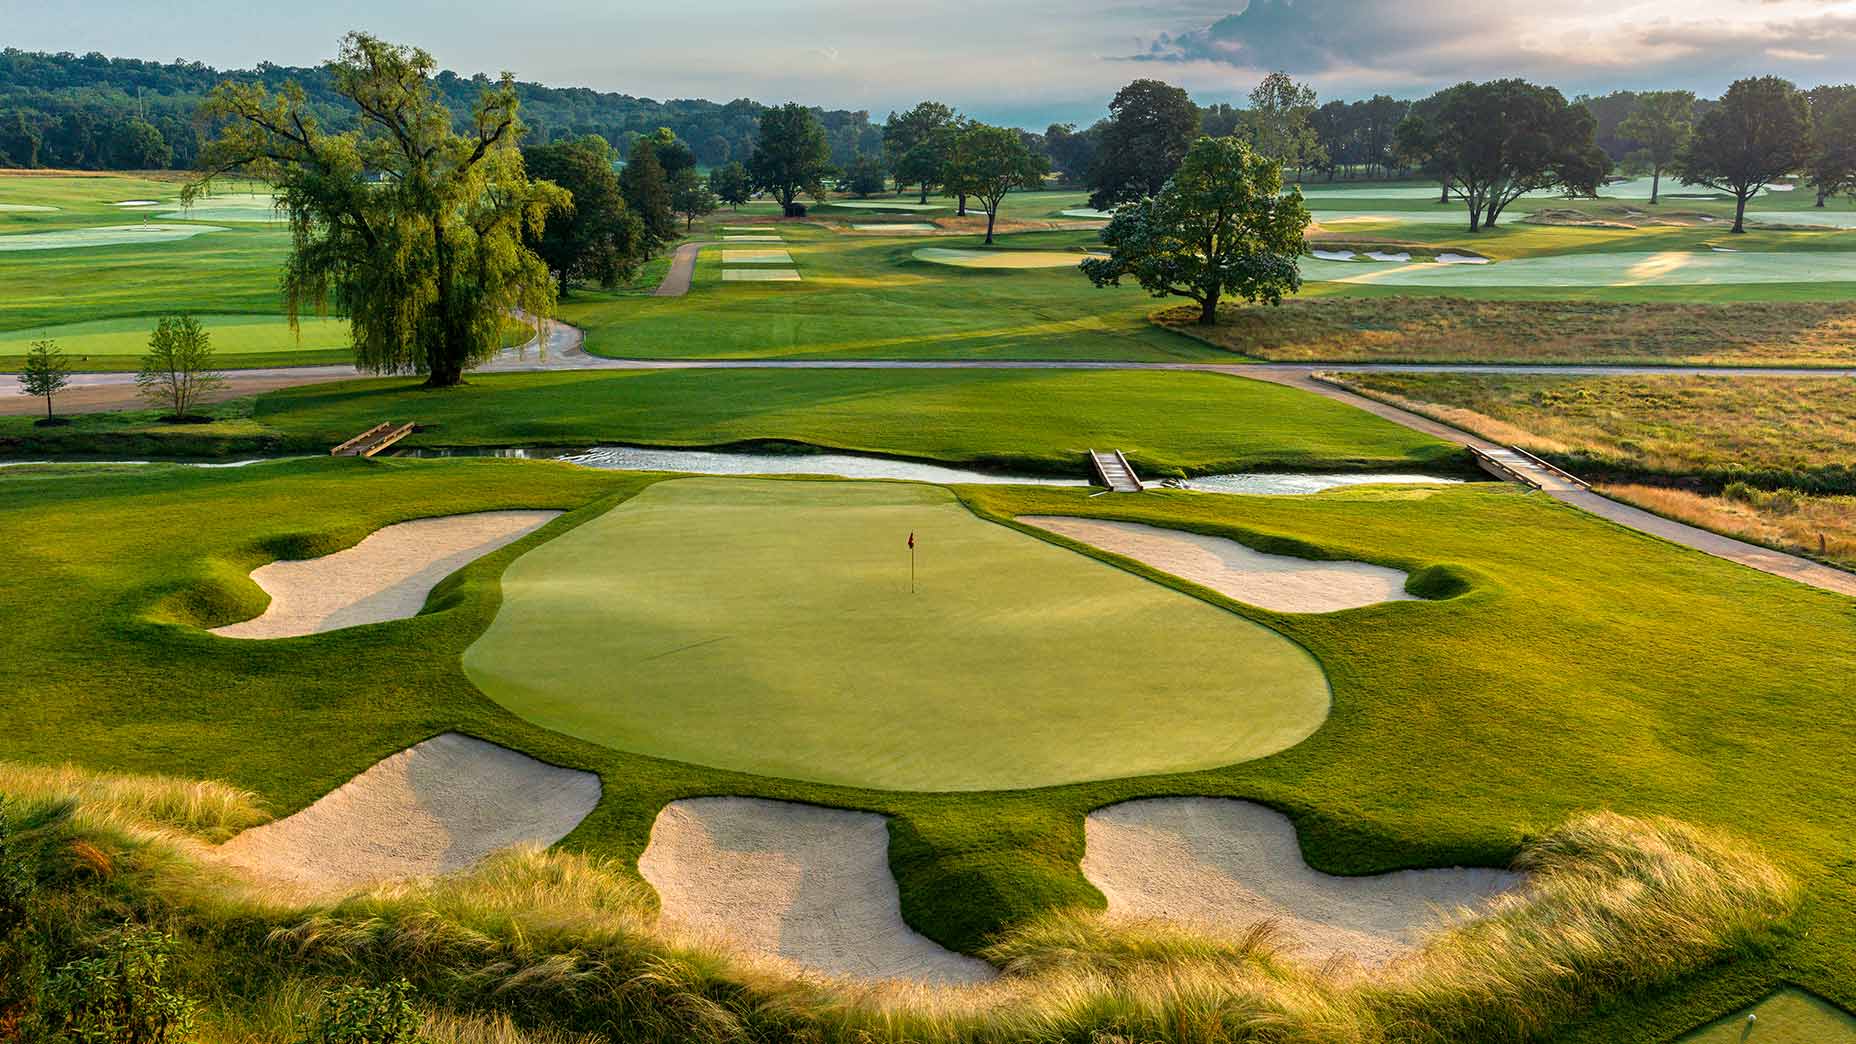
[[770, 626]]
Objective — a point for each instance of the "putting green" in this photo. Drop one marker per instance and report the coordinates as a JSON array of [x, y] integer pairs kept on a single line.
[[767, 626], [999, 258], [102, 235], [239, 206], [1664, 268], [1787, 1017]]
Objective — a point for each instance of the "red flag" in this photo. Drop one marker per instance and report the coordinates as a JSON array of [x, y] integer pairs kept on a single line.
[[911, 540]]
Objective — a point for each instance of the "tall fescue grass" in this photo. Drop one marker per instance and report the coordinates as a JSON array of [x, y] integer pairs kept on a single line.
[[1802, 523], [539, 947]]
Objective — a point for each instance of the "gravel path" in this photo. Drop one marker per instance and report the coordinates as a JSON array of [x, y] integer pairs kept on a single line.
[[682, 269], [434, 808]]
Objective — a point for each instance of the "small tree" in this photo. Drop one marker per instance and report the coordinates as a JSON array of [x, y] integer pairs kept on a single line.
[[1662, 124], [47, 372], [177, 371], [690, 196], [987, 162], [1221, 226], [731, 184], [1759, 131]]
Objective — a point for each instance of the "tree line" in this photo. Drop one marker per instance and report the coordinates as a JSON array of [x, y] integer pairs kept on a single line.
[[93, 112]]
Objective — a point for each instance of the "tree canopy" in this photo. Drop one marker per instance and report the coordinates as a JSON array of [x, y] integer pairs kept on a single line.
[[647, 193], [731, 184], [1149, 128], [1662, 123], [418, 233], [907, 144], [1277, 123], [1221, 226], [1499, 140], [595, 236], [1759, 132], [987, 162], [792, 155], [690, 196]]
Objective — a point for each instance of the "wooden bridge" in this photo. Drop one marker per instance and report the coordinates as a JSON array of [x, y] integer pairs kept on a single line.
[[1113, 471], [373, 440], [1518, 465]]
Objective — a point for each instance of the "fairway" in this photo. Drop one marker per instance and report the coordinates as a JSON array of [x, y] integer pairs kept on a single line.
[[1000, 258], [231, 334], [1662, 268], [768, 626], [1790, 1016]]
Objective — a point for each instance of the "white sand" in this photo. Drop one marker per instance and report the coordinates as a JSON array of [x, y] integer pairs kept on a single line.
[[137, 203], [1333, 255], [1279, 582], [1447, 258], [760, 275], [437, 807], [1087, 212], [1388, 255], [907, 226], [806, 884], [386, 576], [752, 256], [1224, 865], [25, 208]]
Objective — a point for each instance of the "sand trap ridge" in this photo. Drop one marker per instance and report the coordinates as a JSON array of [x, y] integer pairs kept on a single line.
[[1280, 582], [1225, 865], [433, 808], [807, 884], [386, 576]]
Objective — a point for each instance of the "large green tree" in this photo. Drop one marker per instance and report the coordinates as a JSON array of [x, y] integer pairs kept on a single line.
[[595, 237], [690, 196], [417, 231], [1221, 226], [1832, 165], [1661, 125], [647, 193], [1149, 128], [1758, 132], [731, 184], [792, 155], [987, 162], [905, 137], [1277, 122], [1499, 140]]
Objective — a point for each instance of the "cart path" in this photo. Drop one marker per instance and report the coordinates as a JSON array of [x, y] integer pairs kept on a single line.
[[682, 268]]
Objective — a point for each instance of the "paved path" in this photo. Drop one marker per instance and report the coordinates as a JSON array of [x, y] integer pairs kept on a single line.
[[682, 268]]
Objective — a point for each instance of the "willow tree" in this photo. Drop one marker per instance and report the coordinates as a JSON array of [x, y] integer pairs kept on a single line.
[[411, 228]]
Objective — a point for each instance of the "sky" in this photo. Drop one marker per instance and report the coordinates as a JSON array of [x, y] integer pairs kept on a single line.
[[1023, 62]]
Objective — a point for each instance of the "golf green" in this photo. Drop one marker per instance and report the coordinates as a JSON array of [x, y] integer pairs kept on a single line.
[[769, 626], [1790, 1016]]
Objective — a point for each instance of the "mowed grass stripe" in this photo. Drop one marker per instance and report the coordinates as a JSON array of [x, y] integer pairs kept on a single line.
[[769, 626]]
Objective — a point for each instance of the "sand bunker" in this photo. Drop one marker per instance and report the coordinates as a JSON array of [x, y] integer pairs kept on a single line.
[[1333, 255], [1225, 865], [999, 258], [386, 576], [1389, 255], [102, 236], [878, 204], [1279, 582], [138, 203], [756, 257], [1448, 258], [1087, 212], [810, 885], [760, 275], [440, 806]]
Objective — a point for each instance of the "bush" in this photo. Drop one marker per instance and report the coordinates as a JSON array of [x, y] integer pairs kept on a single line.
[[123, 994], [365, 1015]]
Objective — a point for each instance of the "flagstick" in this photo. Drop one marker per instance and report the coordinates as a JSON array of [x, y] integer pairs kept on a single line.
[[911, 568]]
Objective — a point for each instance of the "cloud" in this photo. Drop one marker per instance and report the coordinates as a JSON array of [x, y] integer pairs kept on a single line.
[[1348, 46]]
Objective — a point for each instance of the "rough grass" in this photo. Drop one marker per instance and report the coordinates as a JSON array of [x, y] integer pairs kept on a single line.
[[535, 946], [1466, 330], [1821, 527]]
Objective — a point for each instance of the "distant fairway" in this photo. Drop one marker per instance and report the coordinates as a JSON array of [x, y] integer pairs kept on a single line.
[[1620, 269], [231, 334], [101, 236], [768, 626], [238, 206], [1000, 258]]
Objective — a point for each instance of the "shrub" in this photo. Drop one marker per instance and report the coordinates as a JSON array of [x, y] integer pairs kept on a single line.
[[365, 1015], [123, 994]]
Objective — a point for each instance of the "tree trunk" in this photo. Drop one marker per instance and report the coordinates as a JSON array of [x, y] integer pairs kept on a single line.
[[444, 360], [1820, 195], [1208, 309], [992, 214], [1739, 212], [1444, 197], [962, 212], [1656, 184], [48, 405], [924, 198]]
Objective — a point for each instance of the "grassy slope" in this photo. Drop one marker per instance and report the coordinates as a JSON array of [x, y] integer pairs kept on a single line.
[[1585, 667], [1021, 418], [1004, 666]]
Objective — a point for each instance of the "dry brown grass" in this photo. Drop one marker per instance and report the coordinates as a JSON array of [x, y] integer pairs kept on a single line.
[[1819, 526], [1454, 329]]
